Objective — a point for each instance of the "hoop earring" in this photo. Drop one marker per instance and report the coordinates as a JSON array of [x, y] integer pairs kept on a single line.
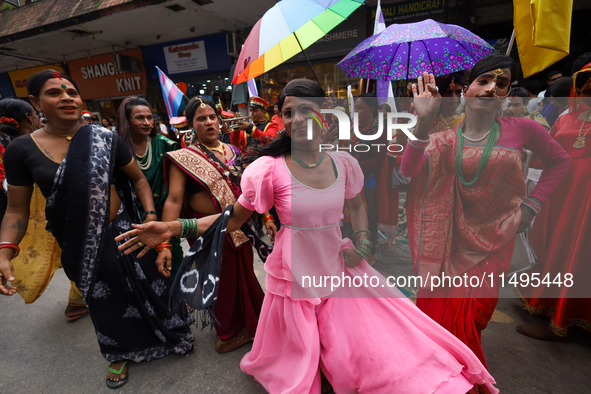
[[462, 105], [42, 117], [504, 104]]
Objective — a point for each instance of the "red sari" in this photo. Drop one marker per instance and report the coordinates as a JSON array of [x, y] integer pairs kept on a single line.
[[561, 236], [457, 229], [240, 296]]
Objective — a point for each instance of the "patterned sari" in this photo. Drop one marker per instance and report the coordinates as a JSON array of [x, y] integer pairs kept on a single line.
[[457, 229], [127, 298], [240, 296], [561, 234]]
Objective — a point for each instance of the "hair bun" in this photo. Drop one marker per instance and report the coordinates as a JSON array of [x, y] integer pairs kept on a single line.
[[10, 121]]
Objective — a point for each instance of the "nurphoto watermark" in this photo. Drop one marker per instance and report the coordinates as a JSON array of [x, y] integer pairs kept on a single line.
[[388, 123]]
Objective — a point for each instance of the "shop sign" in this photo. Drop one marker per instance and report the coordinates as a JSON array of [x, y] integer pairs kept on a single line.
[[339, 41], [210, 56], [185, 57], [20, 78], [97, 77], [409, 11]]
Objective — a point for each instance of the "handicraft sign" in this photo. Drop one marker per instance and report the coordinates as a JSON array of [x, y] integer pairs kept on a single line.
[[410, 11], [186, 57]]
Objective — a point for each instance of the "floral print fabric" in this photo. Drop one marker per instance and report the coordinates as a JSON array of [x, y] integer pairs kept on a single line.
[[129, 306], [405, 51]]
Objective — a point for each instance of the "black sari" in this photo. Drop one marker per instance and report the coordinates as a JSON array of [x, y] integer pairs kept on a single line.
[[127, 297]]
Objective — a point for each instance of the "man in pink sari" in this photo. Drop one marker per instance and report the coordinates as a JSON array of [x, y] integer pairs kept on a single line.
[[466, 200]]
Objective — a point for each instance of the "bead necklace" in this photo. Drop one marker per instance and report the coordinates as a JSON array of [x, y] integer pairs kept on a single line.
[[488, 148], [305, 165], [145, 160], [476, 139], [68, 137], [580, 142]]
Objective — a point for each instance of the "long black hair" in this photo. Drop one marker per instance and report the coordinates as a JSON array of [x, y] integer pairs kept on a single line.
[[123, 116], [305, 88], [490, 63], [37, 80], [13, 109]]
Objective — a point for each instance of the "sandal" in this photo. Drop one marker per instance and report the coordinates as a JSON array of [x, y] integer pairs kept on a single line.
[[233, 343], [542, 332], [115, 384], [74, 313]]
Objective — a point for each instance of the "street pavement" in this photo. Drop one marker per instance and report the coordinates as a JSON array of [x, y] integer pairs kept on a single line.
[[41, 353]]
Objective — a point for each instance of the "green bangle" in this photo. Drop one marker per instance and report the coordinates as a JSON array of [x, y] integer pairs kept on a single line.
[[365, 254], [365, 242], [182, 222], [360, 232], [194, 231], [364, 249], [189, 228]]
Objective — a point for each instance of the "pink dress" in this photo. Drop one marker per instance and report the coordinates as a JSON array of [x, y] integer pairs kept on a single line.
[[366, 339]]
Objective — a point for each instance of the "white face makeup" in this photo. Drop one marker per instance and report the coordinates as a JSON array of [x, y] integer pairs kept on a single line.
[[487, 91]]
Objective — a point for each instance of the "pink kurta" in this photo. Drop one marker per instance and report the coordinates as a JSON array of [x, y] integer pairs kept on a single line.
[[367, 339]]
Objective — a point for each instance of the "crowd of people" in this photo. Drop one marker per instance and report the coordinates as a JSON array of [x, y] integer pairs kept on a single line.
[[111, 202]]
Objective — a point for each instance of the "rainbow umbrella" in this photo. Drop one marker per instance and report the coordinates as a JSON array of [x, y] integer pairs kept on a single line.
[[285, 30]]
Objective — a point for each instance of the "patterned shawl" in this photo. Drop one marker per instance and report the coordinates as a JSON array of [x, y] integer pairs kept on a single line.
[[198, 278], [79, 205]]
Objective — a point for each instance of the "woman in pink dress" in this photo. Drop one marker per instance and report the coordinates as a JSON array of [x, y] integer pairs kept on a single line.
[[367, 339]]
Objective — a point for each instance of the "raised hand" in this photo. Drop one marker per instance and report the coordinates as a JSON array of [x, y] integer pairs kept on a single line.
[[427, 99]]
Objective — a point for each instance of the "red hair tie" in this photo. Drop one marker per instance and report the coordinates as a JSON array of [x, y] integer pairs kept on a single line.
[[9, 121]]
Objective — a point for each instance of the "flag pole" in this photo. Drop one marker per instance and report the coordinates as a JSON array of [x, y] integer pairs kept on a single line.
[[511, 41]]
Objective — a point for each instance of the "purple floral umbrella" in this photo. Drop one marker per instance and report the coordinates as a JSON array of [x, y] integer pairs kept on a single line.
[[405, 51]]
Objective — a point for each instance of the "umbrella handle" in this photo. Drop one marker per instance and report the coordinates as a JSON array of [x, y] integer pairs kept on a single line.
[[308, 60]]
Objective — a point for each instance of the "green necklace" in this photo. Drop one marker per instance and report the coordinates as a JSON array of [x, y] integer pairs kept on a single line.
[[488, 148], [309, 165]]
